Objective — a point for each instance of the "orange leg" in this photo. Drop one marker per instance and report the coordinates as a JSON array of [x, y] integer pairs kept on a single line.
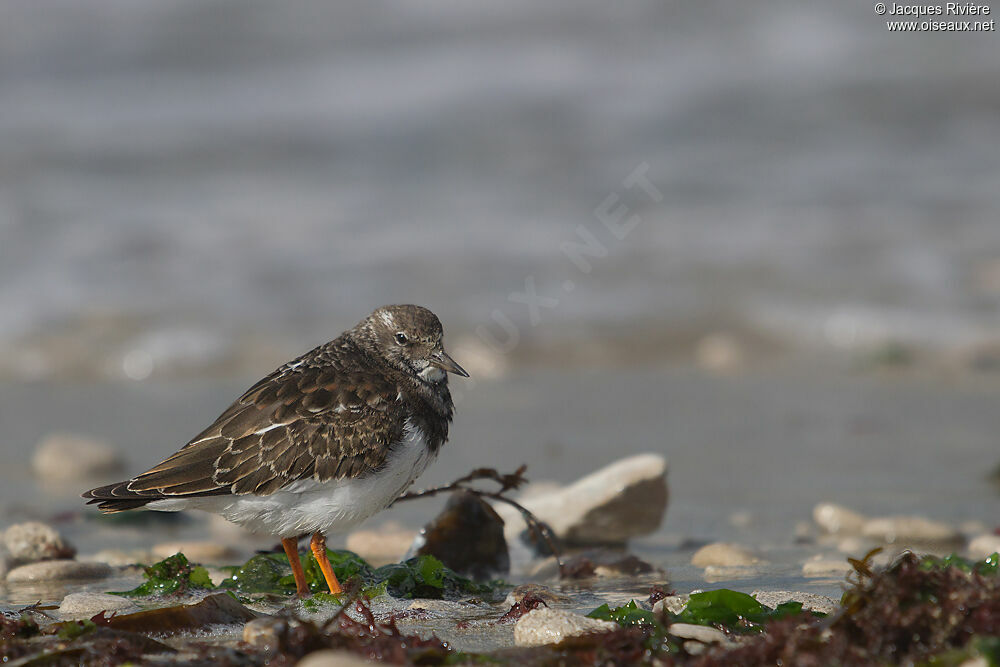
[[291, 545], [318, 544]]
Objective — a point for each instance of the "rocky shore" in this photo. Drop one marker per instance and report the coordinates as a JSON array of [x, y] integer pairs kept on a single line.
[[477, 579]]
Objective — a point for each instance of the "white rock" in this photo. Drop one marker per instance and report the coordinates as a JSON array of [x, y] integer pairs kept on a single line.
[[911, 530], [332, 658], [701, 633], [720, 352], [197, 551], [264, 632], [550, 626], [623, 500], [383, 545], [119, 557], [58, 570], [34, 541], [822, 566], [672, 603], [855, 545], [810, 601], [723, 554], [63, 456], [984, 545], [85, 605], [838, 520], [715, 573]]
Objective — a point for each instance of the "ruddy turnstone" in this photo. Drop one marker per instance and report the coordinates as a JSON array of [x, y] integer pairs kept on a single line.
[[320, 444]]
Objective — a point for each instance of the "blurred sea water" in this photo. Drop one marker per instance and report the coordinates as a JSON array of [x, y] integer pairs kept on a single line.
[[198, 182]]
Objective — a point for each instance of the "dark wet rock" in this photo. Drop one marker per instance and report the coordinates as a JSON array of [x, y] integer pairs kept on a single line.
[[468, 537], [58, 570], [62, 456], [620, 501], [35, 541], [604, 563], [550, 626], [85, 605], [216, 609]]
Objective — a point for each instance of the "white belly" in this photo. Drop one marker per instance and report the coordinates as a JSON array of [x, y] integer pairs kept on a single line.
[[308, 506]]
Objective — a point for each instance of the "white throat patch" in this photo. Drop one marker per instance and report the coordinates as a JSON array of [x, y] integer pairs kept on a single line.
[[432, 374]]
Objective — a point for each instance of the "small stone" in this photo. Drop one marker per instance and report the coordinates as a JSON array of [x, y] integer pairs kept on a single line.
[[821, 566], [119, 557], [715, 573], [383, 545], [672, 603], [911, 531], [855, 545], [197, 551], [723, 554], [34, 541], [838, 520], [623, 500], [544, 593], [265, 632], [62, 456], [983, 546], [550, 626], [77, 606], [720, 352], [627, 566], [700, 633], [810, 601], [58, 570], [468, 537], [446, 607], [332, 658]]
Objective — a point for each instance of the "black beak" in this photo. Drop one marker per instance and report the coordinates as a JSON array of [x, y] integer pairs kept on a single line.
[[441, 360]]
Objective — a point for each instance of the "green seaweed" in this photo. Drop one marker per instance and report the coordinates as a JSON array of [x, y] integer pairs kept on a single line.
[[172, 575], [625, 615], [731, 610], [987, 566], [70, 630], [261, 574], [346, 565], [734, 611], [424, 576], [427, 577]]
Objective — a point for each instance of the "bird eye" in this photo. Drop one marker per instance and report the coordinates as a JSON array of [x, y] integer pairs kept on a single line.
[[401, 338]]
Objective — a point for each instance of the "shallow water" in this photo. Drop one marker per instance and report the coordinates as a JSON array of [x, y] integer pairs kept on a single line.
[[749, 455]]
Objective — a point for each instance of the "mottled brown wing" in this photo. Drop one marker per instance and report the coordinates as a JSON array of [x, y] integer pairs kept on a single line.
[[298, 423]]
